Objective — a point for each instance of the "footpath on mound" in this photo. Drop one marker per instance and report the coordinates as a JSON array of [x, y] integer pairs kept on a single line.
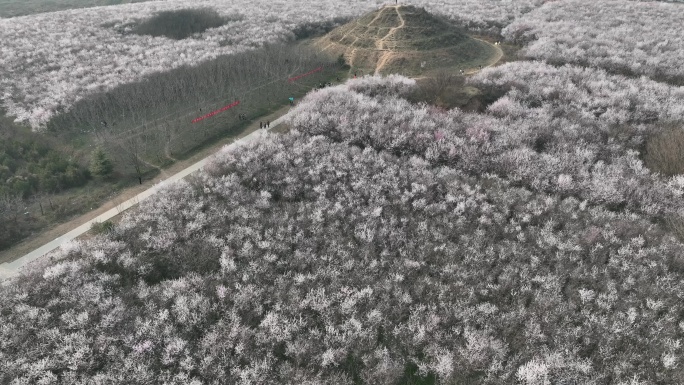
[[407, 40]]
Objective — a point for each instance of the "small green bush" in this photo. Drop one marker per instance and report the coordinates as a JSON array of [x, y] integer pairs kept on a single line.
[[100, 164], [101, 227], [313, 29], [30, 164]]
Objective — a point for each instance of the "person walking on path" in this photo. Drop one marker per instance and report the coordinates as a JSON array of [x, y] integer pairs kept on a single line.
[[261, 125], [268, 124]]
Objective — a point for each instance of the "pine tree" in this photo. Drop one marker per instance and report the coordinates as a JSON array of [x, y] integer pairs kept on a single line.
[[100, 165]]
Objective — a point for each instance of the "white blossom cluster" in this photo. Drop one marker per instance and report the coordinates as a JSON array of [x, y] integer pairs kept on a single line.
[[381, 241], [376, 243], [563, 130], [50, 61], [641, 38], [486, 16], [394, 85]]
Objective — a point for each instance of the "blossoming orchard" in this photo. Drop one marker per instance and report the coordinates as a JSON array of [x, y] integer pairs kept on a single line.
[[50, 61], [534, 236]]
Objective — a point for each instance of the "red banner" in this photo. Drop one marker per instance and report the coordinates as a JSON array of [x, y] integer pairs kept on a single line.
[[319, 69], [209, 115]]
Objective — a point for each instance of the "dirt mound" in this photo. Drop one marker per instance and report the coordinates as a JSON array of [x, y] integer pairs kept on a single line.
[[404, 39]]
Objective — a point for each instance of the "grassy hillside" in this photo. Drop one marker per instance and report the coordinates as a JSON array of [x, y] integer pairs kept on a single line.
[[407, 40]]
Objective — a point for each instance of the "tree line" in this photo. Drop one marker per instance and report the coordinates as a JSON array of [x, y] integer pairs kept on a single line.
[[134, 128], [151, 121], [31, 167]]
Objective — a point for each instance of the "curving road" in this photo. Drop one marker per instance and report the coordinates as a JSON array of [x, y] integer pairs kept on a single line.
[[11, 268], [492, 62]]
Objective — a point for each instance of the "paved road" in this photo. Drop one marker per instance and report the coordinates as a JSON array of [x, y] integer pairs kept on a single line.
[[10, 268]]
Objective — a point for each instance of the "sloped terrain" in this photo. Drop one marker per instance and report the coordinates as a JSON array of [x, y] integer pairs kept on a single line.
[[381, 242], [405, 39]]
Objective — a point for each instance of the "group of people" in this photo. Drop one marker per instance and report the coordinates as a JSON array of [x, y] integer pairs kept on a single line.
[[262, 124], [463, 72], [267, 124]]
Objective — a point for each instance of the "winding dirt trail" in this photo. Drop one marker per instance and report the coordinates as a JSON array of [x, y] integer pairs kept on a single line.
[[377, 16], [352, 55], [381, 43], [493, 60], [381, 52], [343, 37], [161, 170]]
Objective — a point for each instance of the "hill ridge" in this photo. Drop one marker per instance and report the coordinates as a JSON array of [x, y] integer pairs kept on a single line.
[[406, 39]]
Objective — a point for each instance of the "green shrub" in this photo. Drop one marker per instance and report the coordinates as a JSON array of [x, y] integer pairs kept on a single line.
[[101, 227], [29, 165], [100, 164], [314, 29]]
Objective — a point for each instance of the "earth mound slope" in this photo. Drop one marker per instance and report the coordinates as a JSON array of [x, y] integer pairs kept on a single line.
[[407, 40]]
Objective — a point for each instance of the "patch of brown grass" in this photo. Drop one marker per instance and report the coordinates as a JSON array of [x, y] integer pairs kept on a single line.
[[444, 89], [665, 152], [282, 128]]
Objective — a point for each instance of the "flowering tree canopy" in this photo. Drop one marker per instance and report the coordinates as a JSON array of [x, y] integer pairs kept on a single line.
[[362, 245]]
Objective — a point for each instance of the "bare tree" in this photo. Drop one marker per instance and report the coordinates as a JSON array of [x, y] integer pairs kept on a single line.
[[11, 206], [129, 152]]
